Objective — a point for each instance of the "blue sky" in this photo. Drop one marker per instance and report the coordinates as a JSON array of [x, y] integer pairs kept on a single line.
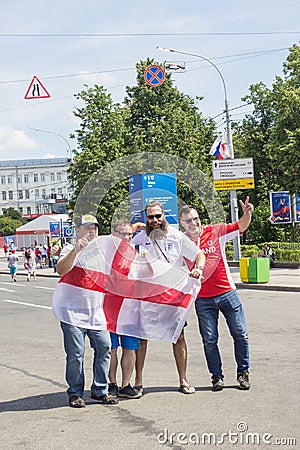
[[64, 63]]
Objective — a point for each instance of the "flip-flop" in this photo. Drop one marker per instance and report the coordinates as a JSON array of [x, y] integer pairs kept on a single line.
[[186, 389], [139, 388]]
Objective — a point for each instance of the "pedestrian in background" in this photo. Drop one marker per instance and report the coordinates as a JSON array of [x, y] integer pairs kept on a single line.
[[13, 264], [30, 263]]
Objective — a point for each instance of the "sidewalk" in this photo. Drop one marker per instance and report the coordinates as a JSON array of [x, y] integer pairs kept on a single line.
[[281, 279]]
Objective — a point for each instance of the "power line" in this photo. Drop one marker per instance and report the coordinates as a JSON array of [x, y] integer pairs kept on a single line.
[[245, 33], [245, 55]]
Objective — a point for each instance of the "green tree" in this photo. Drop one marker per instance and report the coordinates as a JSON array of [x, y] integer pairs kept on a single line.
[[100, 137], [10, 221], [159, 119], [271, 135], [163, 119]]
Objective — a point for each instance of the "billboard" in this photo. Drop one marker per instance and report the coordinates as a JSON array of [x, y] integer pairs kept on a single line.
[[280, 203], [68, 231], [148, 187], [297, 208]]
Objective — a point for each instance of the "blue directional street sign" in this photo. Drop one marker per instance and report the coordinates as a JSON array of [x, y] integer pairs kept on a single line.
[[154, 75], [147, 187]]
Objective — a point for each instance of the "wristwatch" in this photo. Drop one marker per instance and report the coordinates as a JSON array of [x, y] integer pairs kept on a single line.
[[199, 267]]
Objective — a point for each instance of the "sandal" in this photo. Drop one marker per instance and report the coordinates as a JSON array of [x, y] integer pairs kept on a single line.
[[139, 389], [186, 389]]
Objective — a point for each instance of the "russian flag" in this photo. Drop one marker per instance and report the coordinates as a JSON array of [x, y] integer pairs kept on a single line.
[[219, 149]]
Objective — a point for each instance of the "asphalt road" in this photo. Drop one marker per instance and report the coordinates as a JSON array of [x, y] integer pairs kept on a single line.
[[33, 404]]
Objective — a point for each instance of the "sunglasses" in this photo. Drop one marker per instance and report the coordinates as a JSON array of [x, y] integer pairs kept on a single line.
[[152, 216], [193, 219]]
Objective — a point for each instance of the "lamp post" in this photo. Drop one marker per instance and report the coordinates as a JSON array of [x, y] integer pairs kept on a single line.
[[69, 153], [233, 197]]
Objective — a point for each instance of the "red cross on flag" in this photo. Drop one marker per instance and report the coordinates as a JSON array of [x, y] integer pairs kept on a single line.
[[111, 287]]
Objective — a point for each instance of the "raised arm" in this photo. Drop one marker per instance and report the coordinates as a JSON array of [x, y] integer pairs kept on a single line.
[[245, 220]]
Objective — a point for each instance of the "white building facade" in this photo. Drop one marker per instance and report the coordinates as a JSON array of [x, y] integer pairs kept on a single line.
[[35, 186]]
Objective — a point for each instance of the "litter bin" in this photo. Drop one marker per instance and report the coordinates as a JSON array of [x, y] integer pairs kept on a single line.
[[244, 270], [259, 270]]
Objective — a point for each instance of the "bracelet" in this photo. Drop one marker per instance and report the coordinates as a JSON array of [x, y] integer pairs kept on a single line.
[[199, 267]]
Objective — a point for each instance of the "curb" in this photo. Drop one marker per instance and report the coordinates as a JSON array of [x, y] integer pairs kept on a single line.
[[267, 287]]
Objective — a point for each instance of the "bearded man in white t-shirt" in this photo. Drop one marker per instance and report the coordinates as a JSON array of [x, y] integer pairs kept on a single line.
[[165, 242]]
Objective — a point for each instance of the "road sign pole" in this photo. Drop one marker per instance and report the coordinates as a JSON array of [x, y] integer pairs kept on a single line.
[[233, 197]]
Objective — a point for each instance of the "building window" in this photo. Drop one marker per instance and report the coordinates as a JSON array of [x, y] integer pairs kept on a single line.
[[3, 179], [38, 209], [28, 210], [21, 194], [9, 179], [19, 179], [3, 195], [43, 193], [21, 210], [10, 195], [26, 179], [58, 176], [36, 193], [59, 191], [35, 177], [26, 193], [52, 176], [42, 177]]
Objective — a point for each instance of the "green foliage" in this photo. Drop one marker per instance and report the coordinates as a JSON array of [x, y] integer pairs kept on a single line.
[[271, 135], [8, 225], [14, 214], [285, 252], [162, 119], [10, 221], [157, 119]]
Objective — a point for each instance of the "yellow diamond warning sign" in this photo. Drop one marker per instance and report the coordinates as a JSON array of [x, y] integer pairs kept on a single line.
[[236, 184]]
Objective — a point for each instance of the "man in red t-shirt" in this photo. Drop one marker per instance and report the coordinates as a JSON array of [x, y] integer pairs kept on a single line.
[[218, 293]]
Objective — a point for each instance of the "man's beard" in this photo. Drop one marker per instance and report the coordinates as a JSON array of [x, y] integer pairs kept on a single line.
[[157, 233]]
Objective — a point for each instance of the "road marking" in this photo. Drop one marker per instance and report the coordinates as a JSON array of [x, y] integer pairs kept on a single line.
[[18, 284], [43, 287], [27, 304], [6, 290]]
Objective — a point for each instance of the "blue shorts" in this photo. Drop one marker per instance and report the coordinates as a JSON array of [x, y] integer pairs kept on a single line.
[[13, 270], [128, 342]]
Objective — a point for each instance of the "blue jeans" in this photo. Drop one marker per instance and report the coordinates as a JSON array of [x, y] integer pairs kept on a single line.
[[74, 338], [207, 310]]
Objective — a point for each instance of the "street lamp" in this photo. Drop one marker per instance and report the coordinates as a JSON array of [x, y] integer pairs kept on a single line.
[[233, 197], [57, 134]]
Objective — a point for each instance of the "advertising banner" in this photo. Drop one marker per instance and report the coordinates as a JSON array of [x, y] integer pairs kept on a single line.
[[280, 203], [297, 208]]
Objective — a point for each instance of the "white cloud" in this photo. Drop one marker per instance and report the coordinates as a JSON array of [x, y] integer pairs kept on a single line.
[[14, 141]]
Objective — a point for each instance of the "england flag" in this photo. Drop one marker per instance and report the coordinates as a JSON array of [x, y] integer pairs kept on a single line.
[[111, 287]]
